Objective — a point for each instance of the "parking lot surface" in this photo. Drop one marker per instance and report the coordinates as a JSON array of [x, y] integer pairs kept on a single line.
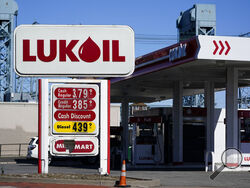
[[167, 178]]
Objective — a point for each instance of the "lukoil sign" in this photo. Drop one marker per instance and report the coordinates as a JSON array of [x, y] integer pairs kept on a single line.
[[74, 50]]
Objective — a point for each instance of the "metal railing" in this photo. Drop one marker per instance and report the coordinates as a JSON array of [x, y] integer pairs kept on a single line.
[[19, 149]]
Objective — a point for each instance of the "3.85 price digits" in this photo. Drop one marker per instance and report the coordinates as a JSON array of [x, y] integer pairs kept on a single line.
[[79, 104]]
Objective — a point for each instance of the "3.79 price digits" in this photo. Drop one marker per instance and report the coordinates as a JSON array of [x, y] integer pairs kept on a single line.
[[80, 93]]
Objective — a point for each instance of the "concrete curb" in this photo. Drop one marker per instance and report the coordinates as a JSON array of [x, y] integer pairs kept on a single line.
[[4, 163], [134, 182]]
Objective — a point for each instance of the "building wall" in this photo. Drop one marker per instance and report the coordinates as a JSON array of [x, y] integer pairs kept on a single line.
[[19, 121]]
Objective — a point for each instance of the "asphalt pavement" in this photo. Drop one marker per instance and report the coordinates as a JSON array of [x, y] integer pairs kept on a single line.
[[167, 178]]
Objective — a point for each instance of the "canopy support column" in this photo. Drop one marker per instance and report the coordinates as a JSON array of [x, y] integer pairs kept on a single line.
[[232, 130], [209, 104], [125, 114], [177, 122]]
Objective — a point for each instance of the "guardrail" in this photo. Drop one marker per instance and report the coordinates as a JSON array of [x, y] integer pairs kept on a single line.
[[19, 149]]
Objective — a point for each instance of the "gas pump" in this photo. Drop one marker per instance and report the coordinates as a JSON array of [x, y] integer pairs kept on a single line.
[[147, 140], [244, 124]]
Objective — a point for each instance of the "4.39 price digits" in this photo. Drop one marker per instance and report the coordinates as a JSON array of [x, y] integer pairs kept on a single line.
[[81, 126]]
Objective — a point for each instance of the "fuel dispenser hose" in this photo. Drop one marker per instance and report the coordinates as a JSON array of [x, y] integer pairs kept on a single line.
[[157, 141]]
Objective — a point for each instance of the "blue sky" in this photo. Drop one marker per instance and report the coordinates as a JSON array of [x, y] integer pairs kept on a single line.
[[149, 17], [157, 17]]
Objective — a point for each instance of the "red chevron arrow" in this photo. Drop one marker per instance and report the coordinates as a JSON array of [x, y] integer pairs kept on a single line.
[[216, 47], [222, 47], [228, 47]]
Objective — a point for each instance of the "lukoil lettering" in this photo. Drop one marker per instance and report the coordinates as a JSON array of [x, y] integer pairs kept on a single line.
[[88, 52]]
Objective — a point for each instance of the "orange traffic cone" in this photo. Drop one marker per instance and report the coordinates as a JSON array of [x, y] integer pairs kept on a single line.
[[122, 182]]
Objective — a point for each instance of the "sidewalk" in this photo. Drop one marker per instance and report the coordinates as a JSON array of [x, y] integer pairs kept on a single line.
[[168, 179], [77, 179], [44, 185]]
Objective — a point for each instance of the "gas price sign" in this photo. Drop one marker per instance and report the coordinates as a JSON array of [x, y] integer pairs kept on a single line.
[[75, 109]]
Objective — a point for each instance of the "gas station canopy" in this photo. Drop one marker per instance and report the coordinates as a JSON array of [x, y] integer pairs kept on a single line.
[[195, 61]]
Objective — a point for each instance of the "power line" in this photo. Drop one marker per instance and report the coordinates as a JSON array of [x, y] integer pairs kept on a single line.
[[154, 39]]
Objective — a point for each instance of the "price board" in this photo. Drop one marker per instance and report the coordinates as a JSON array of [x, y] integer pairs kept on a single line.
[[75, 109]]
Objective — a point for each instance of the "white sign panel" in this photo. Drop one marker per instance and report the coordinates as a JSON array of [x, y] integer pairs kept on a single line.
[[80, 50], [245, 159], [224, 48], [75, 109], [64, 146]]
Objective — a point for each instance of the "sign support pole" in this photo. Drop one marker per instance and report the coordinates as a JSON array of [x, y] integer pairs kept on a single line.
[[109, 108], [104, 129], [43, 126]]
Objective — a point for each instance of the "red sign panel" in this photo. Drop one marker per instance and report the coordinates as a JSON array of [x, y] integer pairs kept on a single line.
[[244, 113], [62, 115], [75, 104], [73, 93]]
